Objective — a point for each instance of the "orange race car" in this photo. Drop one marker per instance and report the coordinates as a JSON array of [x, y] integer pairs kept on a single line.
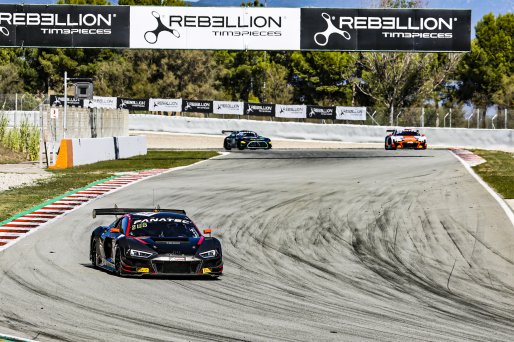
[[405, 138]]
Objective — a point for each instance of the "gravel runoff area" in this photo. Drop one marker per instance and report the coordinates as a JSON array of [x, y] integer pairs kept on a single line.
[[14, 175]]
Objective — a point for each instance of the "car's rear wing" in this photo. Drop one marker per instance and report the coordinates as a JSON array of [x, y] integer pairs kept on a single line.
[[390, 130], [122, 211], [225, 131]]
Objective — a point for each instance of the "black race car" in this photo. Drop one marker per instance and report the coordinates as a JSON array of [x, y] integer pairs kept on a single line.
[[245, 139], [154, 242]]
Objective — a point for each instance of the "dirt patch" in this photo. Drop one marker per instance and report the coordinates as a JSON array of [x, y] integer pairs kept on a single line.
[[10, 157]]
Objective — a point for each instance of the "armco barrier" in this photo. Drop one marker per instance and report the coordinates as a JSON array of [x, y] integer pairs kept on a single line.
[[439, 137], [75, 152]]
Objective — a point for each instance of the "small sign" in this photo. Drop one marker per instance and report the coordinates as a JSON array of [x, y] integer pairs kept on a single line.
[[54, 113]]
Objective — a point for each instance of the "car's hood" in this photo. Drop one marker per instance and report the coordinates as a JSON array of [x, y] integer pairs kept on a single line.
[[179, 246]]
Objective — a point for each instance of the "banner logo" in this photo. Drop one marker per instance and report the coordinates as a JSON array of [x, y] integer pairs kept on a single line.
[[4, 31], [321, 38], [152, 36]]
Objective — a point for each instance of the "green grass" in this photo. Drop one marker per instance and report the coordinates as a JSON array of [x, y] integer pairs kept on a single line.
[[20, 199], [498, 171]]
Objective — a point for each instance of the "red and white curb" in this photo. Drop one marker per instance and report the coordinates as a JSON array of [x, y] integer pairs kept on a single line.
[[16, 229], [469, 157]]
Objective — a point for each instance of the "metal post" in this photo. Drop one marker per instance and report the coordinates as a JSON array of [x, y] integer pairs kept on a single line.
[[372, 116], [492, 120], [450, 118], [478, 118], [469, 117], [41, 147], [16, 102], [65, 104], [422, 116], [444, 119], [505, 118]]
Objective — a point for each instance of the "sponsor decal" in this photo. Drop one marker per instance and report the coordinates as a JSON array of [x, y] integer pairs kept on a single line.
[[258, 109], [385, 29], [319, 112], [291, 111], [64, 26], [58, 101], [215, 28], [101, 102], [206, 270], [197, 106], [350, 113], [132, 104], [165, 105], [228, 107]]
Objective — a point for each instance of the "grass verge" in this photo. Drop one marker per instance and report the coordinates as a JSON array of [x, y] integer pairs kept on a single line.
[[498, 171], [19, 199]]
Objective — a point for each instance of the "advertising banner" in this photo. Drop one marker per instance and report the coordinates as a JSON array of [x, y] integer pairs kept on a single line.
[[132, 104], [319, 112], [259, 109], [228, 107], [64, 26], [290, 111], [197, 106], [214, 28], [58, 101], [350, 113], [101, 102], [165, 105], [385, 29]]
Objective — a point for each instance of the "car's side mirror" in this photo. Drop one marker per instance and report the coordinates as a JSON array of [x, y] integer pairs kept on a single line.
[[115, 230], [207, 231]]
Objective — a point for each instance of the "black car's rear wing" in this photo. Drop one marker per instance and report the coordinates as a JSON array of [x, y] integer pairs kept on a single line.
[[226, 131], [122, 211], [390, 130]]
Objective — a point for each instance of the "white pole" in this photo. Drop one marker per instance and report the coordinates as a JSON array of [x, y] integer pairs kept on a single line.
[[16, 102], [450, 118], [41, 146], [422, 116], [505, 118], [397, 118], [478, 117], [469, 117], [444, 119], [65, 104], [492, 120]]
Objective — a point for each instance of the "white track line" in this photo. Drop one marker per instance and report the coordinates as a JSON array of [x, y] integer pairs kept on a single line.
[[498, 199]]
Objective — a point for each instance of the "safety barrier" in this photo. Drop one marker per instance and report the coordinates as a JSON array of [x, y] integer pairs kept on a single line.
[[75, 152], [438, 137]]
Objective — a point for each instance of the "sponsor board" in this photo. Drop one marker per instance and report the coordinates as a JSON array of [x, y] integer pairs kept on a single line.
[[215, 28], [197, 106], [385, 29], [165, 105], [101, 102], [228, 107], [64, 26], [290, 111], [132, 104], [350, 113], [320, 112], [58, 100], [259, 109]]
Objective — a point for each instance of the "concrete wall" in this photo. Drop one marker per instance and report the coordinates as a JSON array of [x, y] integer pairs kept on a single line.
[[439, 137], [132, 146]]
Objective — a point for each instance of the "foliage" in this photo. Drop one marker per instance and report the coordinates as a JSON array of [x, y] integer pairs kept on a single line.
[[23, 139]]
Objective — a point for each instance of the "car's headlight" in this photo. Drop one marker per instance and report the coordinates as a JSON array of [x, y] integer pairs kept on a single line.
[[398, 138], [243, 142], [209, 254], [421, 138], [139, 254]]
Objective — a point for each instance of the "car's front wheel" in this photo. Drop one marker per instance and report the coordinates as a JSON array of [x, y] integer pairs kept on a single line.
[[117, 263], [96, 259], [227, 146], [240, 146]]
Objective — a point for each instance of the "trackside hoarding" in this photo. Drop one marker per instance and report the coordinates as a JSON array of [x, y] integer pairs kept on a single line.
[[234, 28]]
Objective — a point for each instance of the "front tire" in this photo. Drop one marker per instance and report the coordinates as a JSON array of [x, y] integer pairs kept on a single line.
[[117, 263], [240, 146], [96, 259], [227, 146]]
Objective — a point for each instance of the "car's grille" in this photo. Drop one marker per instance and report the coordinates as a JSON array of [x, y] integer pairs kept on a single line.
[[257, 144], [176, 267]]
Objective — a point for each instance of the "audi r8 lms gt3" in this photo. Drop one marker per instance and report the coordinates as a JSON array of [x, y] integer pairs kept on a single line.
[[405, 138], [245, 139], [154, 242]]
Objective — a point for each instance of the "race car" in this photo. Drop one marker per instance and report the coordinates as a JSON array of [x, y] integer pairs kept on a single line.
[[154, 242], [245, 139], [405, 138]]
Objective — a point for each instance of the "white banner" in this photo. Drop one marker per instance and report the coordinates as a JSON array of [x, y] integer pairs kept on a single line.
[[228, 107], [101, 102], [291, 111], [165, 105], [215, 28], [350, 113]]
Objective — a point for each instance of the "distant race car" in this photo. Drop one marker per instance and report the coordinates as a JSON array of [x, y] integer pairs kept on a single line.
[[405, 138], [245, 139], [154, 242]]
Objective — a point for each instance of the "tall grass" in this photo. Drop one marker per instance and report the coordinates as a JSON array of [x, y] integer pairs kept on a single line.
[[23, 139]]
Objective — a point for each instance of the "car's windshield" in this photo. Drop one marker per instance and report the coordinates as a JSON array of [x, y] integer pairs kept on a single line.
[[163, 227], [249, 134], [408, 133]]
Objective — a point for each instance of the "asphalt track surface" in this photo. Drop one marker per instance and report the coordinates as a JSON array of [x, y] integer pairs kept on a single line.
[[345, 245]]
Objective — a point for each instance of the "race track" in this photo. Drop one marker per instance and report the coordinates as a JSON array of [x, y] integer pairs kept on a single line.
[[342, 245]]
